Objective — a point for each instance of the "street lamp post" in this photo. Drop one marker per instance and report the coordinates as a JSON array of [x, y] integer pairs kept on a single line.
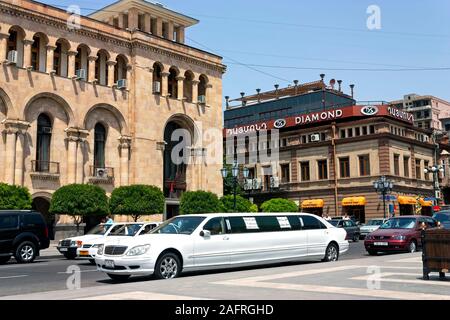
[[435, 171], [235, 174], [384, 187]]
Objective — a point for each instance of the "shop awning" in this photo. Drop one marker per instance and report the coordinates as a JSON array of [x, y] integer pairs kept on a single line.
[[425, 203], [403, 200], [311, 204], [354, 201]]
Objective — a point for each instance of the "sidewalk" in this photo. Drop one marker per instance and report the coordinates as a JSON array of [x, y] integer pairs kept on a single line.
[[51, 252]]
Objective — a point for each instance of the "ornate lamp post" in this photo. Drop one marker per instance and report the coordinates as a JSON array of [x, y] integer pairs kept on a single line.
[[384, 187], [235, 170], [435, 171]]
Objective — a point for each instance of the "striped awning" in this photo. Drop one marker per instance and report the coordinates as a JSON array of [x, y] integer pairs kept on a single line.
[[311, 204], [354, 201], [425, 203], [404, 200]]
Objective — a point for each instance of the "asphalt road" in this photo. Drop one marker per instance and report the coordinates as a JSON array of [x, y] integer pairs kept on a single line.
[[52, 274]]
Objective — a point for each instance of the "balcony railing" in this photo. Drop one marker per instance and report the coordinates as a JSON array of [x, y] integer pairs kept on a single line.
[[106, 173], [49, 167]]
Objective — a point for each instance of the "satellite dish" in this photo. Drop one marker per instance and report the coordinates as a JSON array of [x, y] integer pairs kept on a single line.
[[332, 83]]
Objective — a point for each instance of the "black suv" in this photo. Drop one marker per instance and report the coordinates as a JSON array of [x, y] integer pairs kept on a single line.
[[23, 233]]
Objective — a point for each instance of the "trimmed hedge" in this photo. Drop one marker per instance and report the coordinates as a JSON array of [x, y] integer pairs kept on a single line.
[[14, 197], [197, 202], [279, 205], [242, 204]]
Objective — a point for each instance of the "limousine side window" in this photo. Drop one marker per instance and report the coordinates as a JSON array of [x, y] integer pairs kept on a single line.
[[264, 224], [311, 223], [215, 226]]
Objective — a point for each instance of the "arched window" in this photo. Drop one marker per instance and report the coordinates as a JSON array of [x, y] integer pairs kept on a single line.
[[44, 136], [120, 70], [99, 146], [101, 68], [61, 58], [157, 78], [202, 89], [187, 87], [173, 83]]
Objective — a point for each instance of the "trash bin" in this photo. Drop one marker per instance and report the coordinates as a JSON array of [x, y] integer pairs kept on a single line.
[[435, 252]]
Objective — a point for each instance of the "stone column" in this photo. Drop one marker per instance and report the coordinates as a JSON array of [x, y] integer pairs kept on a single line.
[[91, 73], [80, 160], [180, 35], [129, 73], [71, 63], [111, 65], [72, 140], [159, 27], [180, 85], [208, 91], [10, 155], [147, 23], [133, 19], [124, 148], [195, 91], [50, 56], [20, 144], [164, 84], [170, 31], [3, 46], [27, 53]]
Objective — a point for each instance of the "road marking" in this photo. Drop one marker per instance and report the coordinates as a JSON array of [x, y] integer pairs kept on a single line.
[[11, 277], [408, 260], [15, 266], [140, 295], [82, 271], [384, 275]]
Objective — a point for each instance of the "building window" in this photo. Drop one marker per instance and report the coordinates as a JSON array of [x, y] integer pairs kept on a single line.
[[427, 165], [406, 167], [304, 169], [304, 139], [350, 132], [323, 169], [342, 134], [357, 131], [44, 136], [285, 173], [364, 165], [364, 131], [396, 164], [418, 169], [99, 146], [372, 129], [344, 166]]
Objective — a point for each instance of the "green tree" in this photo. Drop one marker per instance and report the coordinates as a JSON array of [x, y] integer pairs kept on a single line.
[[242, 204], [78, 201], [195, 202], [279, 205], [14, 197], [137, 200]]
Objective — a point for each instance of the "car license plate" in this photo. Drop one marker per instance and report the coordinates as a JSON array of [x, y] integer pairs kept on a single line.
[[109, 263], [63, 249], [84, 253], [381, 244]]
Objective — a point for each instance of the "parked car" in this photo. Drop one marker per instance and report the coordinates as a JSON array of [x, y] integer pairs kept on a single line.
[[444, 218], [220, 241], [23, 233], [90, 247], [371, 226], [353, 218], [353, 231], [69, 246], [398, 234]]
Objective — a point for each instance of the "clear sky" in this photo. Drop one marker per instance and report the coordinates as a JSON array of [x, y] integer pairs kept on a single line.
[[299, 39]]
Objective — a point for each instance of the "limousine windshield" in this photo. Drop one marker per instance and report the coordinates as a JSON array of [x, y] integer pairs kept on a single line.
[[179, 225]]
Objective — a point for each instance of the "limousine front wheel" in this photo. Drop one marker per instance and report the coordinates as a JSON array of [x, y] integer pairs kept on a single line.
[[168, 266], [332, 253]]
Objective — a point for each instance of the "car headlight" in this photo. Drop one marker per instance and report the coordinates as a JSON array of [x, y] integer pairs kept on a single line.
[[369, 237], [100, 249], [399, 237], [139, 250], [95, 246]]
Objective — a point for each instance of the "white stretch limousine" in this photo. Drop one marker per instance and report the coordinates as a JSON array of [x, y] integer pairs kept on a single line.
[[213, 241]]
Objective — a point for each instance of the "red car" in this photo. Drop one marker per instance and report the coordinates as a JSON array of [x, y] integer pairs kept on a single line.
[[398, 234]]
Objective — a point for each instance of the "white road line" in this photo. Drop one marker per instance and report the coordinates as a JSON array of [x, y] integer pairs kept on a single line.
[[82, 271], [408, 260], [140, 295], [11, 277], [384, 275]]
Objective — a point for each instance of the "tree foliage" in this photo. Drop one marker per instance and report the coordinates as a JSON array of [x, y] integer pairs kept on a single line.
[[242, 204], [195, 202], [78, 200], [137, 200], [14, 197], [279, 205]]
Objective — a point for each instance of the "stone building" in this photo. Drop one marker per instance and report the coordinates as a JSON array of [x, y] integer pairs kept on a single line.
[[95, 99], [330, 150]]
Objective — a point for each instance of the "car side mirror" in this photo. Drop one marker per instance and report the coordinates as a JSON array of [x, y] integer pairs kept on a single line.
[[205, 234]]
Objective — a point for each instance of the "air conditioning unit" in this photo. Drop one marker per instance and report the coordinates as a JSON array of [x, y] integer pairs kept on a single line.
[[101, 172], [122, 84], [257, 184], [274, 182], [81, 74], [202, 99], [156, 87], [314, 137], [13, 57], [47, 130]]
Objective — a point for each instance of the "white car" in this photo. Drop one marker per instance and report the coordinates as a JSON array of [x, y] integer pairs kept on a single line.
[[371, 226], [221, 241], [89, 248]]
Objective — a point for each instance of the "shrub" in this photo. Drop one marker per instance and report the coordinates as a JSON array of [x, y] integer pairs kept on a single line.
[[137, 200], [78, 200], [195, 202], [279, 205], [14, 197], [242, 204]]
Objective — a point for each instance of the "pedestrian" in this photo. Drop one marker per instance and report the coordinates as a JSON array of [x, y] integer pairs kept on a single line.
[[346, 217], [327, 217], [109, 219]]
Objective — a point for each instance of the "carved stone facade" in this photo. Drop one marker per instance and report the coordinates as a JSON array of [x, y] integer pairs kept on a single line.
[[97, 74]]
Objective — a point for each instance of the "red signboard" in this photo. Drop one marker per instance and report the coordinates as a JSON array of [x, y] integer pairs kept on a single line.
[[323, 116]]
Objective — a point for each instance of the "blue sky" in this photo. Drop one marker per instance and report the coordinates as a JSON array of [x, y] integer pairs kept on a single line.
[[324, 35]]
